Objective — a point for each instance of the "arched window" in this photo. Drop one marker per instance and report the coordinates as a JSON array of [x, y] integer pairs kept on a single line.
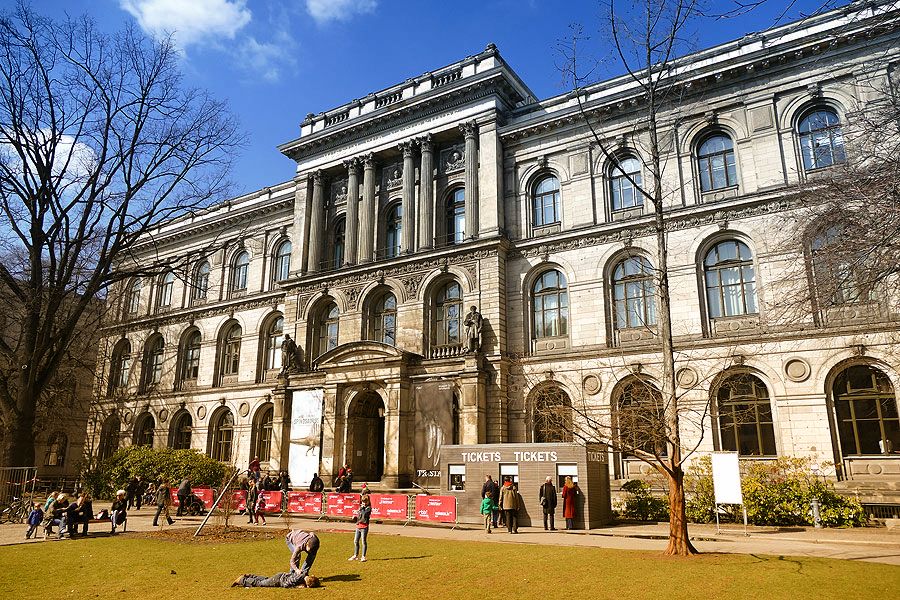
[[456, 216], [134, 297], [153, 361], [821, 138], [166, 287], [109, 437], [222, 436], [448, 315], [552, 416], [640, 418], [327, 330], [730, 280], [57, 444], [282, 267], [274, 337], [231, 350], [866, 410], [393, 230], [239, 269], [545, 202], [143, 430], [339, 238], [836, 269], [384, 319], [262, 433], [624, 179], [715, 161], [182, 426], [201, 281], [633, 293], [120, 368], [745, 416], [550, 299], [190, 356]]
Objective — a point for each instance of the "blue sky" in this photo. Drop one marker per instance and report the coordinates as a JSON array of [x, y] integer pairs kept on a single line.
[[275, 61]]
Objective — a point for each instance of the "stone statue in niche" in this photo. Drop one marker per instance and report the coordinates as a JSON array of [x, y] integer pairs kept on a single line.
[[473, 329]]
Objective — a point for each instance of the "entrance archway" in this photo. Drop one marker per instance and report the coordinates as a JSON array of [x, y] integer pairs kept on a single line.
[[365, 437]]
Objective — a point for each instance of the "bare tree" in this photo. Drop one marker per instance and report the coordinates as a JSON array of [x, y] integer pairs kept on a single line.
[[100, 143]]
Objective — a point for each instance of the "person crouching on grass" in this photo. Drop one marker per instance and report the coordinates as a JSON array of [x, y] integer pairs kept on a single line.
[[362, 528]]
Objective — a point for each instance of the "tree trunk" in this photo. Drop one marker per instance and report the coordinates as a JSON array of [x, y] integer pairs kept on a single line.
[[679, 542], [18, 441]]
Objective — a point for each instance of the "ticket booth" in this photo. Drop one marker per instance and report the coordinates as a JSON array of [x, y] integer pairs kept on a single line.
[[527, 466]]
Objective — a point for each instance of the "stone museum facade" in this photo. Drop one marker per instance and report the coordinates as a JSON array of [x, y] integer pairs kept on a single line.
[[458, 191]]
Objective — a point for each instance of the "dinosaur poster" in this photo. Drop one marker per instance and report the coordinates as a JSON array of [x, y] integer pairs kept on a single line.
[[306, 433]]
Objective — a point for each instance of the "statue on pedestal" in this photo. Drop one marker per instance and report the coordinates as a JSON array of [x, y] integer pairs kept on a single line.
[[288, 354], [473, 329]]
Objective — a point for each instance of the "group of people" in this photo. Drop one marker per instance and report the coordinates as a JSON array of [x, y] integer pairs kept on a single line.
[[270, 482], [500, 504]]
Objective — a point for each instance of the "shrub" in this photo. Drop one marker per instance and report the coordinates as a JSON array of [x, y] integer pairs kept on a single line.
[[152, 464], [641, 504], [699, 494]]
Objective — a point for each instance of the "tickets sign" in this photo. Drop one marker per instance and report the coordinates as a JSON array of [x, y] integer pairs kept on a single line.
[[389, 506], [305, 502], [436, 508], [271, 502], [342, 505]]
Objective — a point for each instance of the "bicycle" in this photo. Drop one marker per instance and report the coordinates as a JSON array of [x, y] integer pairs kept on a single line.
[[17, 510]]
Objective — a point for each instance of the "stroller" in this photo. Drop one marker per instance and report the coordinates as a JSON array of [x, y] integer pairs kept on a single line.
[[194, 506]]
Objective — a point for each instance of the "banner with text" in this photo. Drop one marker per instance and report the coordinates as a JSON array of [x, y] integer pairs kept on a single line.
[[342, 505], [434, 428], [305, 502], [436, 508], [239, 500], [306, 432], [271, 502], [206, 495], [390, 506]]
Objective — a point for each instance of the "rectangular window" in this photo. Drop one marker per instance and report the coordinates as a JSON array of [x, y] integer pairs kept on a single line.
[[457, 477], [509, 473], [563, 471]]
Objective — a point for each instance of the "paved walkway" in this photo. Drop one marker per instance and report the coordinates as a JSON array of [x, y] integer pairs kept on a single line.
[[867, 544]]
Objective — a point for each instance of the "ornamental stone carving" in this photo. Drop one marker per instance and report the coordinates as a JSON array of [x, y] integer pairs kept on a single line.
[[339, 191], [686, 377], [591, 385], [453, 159], [392, 176], [797, 369]]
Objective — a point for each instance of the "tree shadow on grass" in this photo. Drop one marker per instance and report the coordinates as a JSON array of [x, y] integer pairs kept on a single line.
[[344, 577], [401, 557], [788, 559]]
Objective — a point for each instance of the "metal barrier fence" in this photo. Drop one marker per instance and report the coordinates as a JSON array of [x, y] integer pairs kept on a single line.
[[15, 482]]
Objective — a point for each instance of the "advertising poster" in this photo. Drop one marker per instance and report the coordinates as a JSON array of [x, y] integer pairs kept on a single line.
[[436, 508], [342, 505], [309, 503], [434, 428], [389, 506], [306, 431], [272, 501]]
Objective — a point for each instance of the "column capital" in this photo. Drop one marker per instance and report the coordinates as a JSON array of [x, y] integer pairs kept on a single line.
[[369, 160], [408, 147], [469, 129], [318, 177], [425, 142], [352, 164]]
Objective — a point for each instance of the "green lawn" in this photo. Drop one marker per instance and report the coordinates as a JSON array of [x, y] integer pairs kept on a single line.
[[399, 567]]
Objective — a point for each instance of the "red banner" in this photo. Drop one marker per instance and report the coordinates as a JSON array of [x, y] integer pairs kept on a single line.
[[204, 494], [342, 505], [271, 500], [390, 506], [305, 502], [436, 508], [239, 500]]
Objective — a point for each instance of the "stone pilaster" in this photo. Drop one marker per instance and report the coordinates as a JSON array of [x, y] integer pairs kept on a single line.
[[352, 230], [426, 194], [470, 131], [408, 235], [368, 221], [317, 219]]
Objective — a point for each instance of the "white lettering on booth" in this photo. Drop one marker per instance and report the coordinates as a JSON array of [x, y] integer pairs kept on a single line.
[[550, 456]]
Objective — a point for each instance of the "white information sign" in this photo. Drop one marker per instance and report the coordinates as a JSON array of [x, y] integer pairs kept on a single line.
[[727, 478], [306, 430]]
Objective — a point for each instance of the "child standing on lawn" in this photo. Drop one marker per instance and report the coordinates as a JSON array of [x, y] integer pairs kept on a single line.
[[35, 517], [487, 510], [362, 528]]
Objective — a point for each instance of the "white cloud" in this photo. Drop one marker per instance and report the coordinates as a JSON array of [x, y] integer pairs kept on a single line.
[[338, 10], [264, 59], [191, 21]]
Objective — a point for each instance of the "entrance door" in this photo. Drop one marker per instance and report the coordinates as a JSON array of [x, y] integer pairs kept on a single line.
[[365, 437]]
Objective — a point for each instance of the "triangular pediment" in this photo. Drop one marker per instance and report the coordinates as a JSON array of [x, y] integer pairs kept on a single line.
[[356, 353]]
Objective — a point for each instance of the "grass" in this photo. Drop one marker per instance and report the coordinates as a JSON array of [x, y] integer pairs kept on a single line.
[[400, 567]]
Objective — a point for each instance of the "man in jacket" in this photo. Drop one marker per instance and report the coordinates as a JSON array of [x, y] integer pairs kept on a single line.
[[509, 502], [491, 486], [163, 499], [316, 484], [299, 542], [184, 495], [547, 498]]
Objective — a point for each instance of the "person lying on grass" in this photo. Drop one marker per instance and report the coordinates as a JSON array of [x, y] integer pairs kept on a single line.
[[278, 580]]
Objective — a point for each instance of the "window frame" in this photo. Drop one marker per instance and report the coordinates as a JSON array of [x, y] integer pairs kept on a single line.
[[328, 328], [57, 448], [541, 201], [728, 412], [743, 284], [455, 216], [808, 153], [231, 350], [393, 229], [240, 272], [190, 356], [281, 261], [154, 357], [134, 297], [200, 287], [262, 432], [707, 158], [274, 336], [143, 435], [222, 440], [554, 399], [646, 280], [166, 290], [618, 183], [539, 310], [180, 432], [442, 322], [380, 314], [881, 401]]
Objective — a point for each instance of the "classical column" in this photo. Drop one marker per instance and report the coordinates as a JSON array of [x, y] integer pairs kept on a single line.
[[316, 237], [368, 222], [408, 243], [426, 195], [470, 131], [352, 223]]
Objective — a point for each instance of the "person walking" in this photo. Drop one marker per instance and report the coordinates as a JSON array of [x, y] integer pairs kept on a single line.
[[163, 500], [547, 498], [131, 492], [298, 542], [139, 493], [184, 496], [491, 486], [509, 503], [252, 499], [487, 510], [570, 492], [35, 517], [118, 512], [360, 538]]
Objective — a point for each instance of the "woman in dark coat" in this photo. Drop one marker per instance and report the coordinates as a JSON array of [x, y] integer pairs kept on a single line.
[[570, 492]]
